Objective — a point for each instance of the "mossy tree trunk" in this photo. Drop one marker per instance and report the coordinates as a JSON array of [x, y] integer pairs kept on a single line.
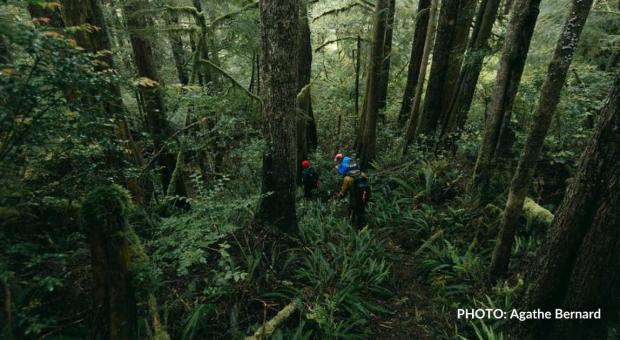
[[578, 265], [414, 115], [415, 60], [104, 214], [477, 49], [279, 36], [511, 65], [549, 98], [176, 46], [152, 93]]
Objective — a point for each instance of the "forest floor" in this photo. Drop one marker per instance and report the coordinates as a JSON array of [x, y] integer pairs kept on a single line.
[[409, 302]]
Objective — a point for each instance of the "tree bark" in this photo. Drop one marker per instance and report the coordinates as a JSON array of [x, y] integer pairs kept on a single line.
[[366, 147], [415, 59], [385, 65], [5, 51], [358, 53], [446, 50], [178, 52], [305, 75], [414, 115], [578, 265], [105, 220], [465, 17], [511, 65], [7, 329], [472, 65], [80, 12], [304, 100], [152, 94], [204, 77], [279, 36], [549, 98]]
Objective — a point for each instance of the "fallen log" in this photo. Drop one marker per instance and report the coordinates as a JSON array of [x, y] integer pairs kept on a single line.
[[535, 214], [270, 326]]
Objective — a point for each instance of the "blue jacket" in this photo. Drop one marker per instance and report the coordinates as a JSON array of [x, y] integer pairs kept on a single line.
[[344, 165]]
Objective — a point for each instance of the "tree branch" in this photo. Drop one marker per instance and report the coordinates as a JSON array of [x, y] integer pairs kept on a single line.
[[336, 40], [233, 80], [270, 326], [343, 9]]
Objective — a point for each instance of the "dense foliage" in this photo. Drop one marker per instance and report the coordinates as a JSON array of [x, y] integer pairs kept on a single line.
[[211, 270]]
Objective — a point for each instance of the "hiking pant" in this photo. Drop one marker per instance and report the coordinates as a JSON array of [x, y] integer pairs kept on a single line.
[[357, 216], [308, 191]]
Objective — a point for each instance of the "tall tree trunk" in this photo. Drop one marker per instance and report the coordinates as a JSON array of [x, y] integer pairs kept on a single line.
[[358, 53], [549, 98], [305, 75], [152, 94], [7, 329], [414, 115], [385, 65], [258, 81], [279, 36], [5, 50], [415, 59], [304, 69], [251, 86], [366, 147], [178, 52], [80, 12], [578, 265], [445, 41], [472, 65], [467, 9], [104, 214], [511, 65], [204, 77]]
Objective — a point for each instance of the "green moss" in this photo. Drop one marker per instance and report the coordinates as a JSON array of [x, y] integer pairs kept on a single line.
[[106, 207], [535, 214]]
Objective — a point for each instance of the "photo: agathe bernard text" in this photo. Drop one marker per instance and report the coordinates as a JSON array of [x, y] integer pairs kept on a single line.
[[536, 314]]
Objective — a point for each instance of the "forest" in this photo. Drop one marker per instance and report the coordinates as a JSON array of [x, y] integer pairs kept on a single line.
[[309, 169]]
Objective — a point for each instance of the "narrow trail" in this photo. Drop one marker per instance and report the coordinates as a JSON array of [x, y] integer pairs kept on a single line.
[[408, 303]]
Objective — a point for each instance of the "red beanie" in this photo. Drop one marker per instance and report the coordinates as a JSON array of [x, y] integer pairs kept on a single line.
[[305, 164]]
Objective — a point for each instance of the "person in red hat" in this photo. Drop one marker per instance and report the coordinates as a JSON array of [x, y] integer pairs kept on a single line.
[[309, 178]]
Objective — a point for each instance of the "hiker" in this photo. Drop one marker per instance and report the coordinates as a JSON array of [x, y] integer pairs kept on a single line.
[[342, 164], [309, 178], [355, 182]]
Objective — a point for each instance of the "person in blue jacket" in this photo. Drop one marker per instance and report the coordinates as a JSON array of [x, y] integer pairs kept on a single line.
[[342, 164]]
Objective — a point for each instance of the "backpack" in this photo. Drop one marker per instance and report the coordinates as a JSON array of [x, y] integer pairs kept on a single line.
[[360, 191], [309, 177]]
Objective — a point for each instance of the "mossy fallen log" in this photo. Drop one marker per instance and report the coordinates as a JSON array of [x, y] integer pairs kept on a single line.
[[270, 326], [535, 214]]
